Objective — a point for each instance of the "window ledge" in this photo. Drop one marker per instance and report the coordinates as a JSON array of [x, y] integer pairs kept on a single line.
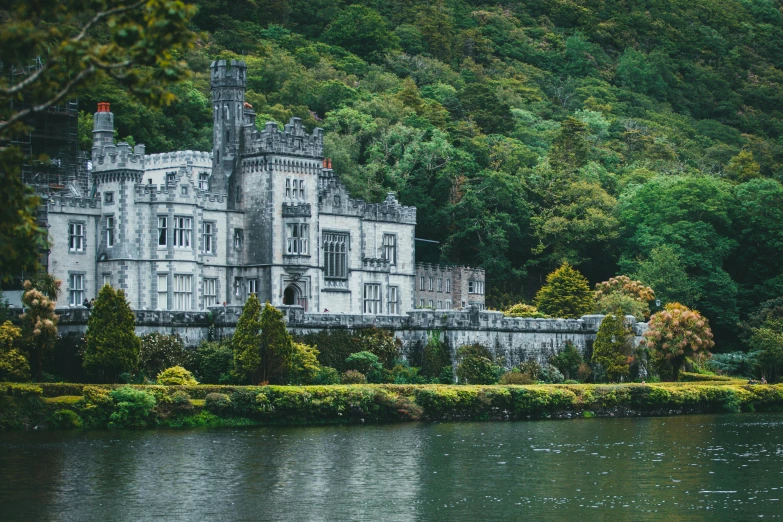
[[338, 290]]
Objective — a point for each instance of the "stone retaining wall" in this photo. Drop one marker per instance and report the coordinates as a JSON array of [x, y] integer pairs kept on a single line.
[[515, 339]]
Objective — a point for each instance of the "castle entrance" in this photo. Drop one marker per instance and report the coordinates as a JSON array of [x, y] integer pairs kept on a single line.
[[292, 295]]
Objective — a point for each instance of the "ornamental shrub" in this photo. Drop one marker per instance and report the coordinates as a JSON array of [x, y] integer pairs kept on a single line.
[[353, 377], [217, 402], [160, 351], [532, 368], [112, 346], [367, 364], [768, 341], [39, 326], [176, 376], [516, 377], [132, 407], [334, 346], [568, 360], [551, 375], [524, 310], [380, 342], [566, 294], [180, 401], [327, 375], [613, 349], [475, 365], [304, 365], [14, 366], [435, 356], [738, 364], [674, 334], [66, 419], [622, 295], [213, 362]]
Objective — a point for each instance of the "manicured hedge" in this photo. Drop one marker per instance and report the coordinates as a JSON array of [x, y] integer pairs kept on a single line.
[[100, 406]]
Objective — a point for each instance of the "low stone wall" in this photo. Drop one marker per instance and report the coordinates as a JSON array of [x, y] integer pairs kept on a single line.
[[513, 339]]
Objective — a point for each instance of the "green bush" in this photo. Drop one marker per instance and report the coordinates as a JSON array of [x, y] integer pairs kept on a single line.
[[21, 390], [176, 376], [516, 377], [353, 377], [327, 375], [213, 362], [217, 402], [700, 377], [475, 365], [180, 401], [366, 363], [66, 419], [160, 351], [132, 408]]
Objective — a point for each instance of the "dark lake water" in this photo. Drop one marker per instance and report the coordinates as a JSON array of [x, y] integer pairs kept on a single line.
[[707, 467]]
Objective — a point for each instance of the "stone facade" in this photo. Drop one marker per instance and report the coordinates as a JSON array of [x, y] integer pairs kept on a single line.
[[449, 287], [512, 340], [262, 213]]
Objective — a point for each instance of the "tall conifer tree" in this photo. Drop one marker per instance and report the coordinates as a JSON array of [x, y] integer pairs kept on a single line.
[[246, 342], [566, 294], [112, 344]]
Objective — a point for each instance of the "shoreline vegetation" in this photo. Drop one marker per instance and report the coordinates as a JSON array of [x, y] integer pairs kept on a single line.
[[81, 406]]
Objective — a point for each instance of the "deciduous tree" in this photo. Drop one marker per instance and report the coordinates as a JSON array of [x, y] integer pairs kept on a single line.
[[675, 333]]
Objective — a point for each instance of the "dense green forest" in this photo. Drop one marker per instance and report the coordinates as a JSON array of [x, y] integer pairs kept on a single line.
[[624, 136]]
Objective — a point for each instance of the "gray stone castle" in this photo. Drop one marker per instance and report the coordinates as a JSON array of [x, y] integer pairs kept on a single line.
[[263, 213]]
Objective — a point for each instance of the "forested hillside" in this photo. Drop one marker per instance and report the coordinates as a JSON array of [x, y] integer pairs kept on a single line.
[[635, 137]]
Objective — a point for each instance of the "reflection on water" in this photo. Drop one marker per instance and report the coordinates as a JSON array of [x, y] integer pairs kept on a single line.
[[726, 467]]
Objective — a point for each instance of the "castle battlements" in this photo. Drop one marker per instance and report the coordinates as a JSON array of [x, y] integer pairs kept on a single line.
[[293, 140], [66, 200], [334, 198], [178, 158], [119, 156]]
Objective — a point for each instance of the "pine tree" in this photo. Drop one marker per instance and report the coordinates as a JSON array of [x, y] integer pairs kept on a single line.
[[277, 346], [612, 348], [246, 342], [112, 344], [566, 294]]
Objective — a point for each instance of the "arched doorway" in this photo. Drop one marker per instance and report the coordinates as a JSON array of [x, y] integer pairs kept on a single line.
[[294, 295], [289, 296]]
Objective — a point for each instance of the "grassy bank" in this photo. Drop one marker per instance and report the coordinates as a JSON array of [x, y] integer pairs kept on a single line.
[[27, 406]]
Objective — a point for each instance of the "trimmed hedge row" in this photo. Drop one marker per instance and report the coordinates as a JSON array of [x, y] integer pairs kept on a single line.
[[99, 406]]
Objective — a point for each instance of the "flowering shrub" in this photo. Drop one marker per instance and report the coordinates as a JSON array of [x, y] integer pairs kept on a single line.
[[39, 325], [674, 334], [625, 296]]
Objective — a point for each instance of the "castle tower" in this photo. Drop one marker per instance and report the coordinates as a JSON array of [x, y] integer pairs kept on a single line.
[[116, 169], [228, 83]]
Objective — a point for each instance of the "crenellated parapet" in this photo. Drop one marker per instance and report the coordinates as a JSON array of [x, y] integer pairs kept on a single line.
[[147, 193], [334, 199], [176, 159], [119, 156], [58, 201], [293, 140]]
